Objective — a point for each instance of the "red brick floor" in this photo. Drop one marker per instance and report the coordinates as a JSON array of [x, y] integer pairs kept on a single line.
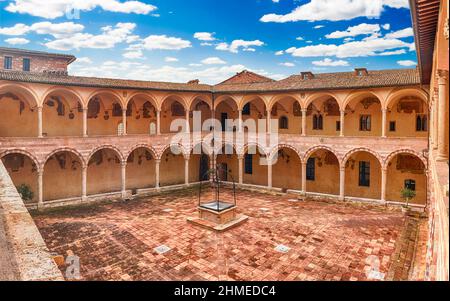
[[327, 241]]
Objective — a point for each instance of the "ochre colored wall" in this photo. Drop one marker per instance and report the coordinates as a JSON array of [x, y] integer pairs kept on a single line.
[[194, 168], [352, 120], [26, 176], [10, 119], [57, 126], [327, 176], [352, 187], [106, 177], [233, 165], [174, 164], [396, 182], [259, 176], [141, 173], [55, 177], [287, 171], [405, 123]]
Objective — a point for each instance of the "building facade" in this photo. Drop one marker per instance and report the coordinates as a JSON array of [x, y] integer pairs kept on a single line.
[[363, 135]]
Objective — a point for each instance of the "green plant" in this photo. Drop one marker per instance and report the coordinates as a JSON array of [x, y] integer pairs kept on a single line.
[[25, 192], [408, 195]]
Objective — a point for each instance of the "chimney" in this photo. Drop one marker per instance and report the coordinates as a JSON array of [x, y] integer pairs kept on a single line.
[[307, 75], [194, 82], [361, 72]]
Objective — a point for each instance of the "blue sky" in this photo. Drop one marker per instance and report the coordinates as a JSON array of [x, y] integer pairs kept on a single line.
[[179, 40]]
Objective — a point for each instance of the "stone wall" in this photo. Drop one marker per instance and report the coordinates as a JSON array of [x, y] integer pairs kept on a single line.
[[24, 254]]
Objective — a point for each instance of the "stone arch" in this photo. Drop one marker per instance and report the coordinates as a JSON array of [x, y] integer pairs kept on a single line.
[[63, 89], [33, 158], [23, 91], [397, 94], [150, 97], [358, 150], [110, 147], [200, 97], [277, 98], [184, 152], [244, 149], [278, 147], [357, 94], [314, 149], [249, 98], [223, 98], [178, 97], [145, 146], [311, 98], [68, 150], [392, 155], [109, 92]]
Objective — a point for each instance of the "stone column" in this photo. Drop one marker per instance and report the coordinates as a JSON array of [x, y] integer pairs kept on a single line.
[[342, 123], [124, 121], [383, 183], [269, 121], [269, 174], [342, 184], [186, 171], [187, 122], [84, 184], [124, 179], [241, 169], [383, 122], [240, 122], [39, 111], [40, 189], [85, 122], [304, 178], [436, 121], [442, 82], [158, 122], [304, 122], [157, 180]]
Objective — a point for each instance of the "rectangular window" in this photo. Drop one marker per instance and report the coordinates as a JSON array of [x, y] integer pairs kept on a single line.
[[8, 62], [364, 174], [410, 184], [311, 169], [26, 64], [365, 123], [338, 126], [392, 126], [249, 164]]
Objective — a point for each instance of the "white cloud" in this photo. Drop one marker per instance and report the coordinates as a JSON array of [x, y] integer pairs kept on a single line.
[[287, 64], [213, 61], [109, 37], [366, 47], [204, 36], [17, 41], [299, 38], [327, 62], [57, 30], [58, 8], [318, 26], [404, 33], [353, 31], [238, 44], [278, 53], [164, 42], [395, 52], [83, 60], [170, 59], [407, 63], [137, 54], [386, 26], [336, 10]]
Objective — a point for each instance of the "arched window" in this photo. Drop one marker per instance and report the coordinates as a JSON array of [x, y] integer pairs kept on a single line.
[[284, 123], [152, 129], [318, 122], [177, 109], [365, 123], [120, 129], [117, 110], [421, 123], [246, 110]]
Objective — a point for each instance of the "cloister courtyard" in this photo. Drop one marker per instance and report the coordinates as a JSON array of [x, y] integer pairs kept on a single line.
[[284, 239]]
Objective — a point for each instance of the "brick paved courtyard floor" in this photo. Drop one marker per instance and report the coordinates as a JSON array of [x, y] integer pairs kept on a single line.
[[326, 241]]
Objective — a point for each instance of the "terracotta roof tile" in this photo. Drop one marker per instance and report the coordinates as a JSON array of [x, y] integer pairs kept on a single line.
[[325, 81], [246, 77]]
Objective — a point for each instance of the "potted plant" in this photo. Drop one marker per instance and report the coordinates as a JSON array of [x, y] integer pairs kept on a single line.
[[25, 193], [408, 195]]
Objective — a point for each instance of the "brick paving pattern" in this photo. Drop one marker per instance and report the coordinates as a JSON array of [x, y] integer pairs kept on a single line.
[[326, 241]]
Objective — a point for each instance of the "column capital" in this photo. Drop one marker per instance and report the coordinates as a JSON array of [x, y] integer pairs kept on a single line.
[[123, 164], [442, 75], [304, 110], [157, 161]]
